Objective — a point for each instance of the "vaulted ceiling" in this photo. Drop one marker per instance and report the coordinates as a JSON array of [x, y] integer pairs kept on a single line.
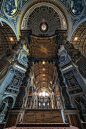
[[79, 38], [44, 74], [7, 38], [50, 16]]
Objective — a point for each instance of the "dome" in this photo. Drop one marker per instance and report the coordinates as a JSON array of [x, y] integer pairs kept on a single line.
[[44, 20]]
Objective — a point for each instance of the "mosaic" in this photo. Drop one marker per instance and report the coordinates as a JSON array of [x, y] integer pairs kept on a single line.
[[77, 6], [10, 7]]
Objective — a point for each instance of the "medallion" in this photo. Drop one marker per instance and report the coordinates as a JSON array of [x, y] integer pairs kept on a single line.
[[43, 27]]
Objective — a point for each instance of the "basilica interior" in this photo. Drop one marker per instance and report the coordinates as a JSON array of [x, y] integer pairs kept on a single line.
[[43, 64]]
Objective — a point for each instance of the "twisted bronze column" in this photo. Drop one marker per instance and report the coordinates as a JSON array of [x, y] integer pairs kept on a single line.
[[67, 101]]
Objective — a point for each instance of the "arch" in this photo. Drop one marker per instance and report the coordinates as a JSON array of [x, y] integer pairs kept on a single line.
[[30, 11], [10, 95], [56, 5], [78, 36], [76, 26], [8, 36], [3, 20]]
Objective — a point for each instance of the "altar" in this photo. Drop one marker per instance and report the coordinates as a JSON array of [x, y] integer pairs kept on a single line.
[[37, 118], [42, 116]]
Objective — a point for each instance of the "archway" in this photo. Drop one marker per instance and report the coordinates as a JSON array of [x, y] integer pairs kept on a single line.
[[78, 38], [7, 37], [56, 5]]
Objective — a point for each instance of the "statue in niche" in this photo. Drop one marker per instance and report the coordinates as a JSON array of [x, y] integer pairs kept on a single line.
[[7, 104], [5, 107], [3, 110]]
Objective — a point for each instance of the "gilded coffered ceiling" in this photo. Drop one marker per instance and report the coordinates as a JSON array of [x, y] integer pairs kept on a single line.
[[44, 74], [79, 38], [7, 38]]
